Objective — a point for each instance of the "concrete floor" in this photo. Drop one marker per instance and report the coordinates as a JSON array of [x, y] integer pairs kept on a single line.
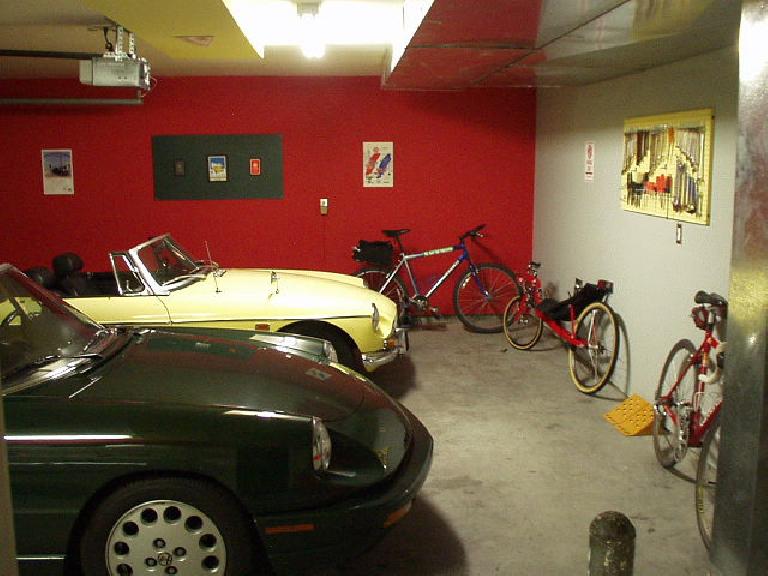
[[523, 463]]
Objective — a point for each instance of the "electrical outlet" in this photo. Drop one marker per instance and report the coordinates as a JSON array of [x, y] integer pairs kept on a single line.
[[323, 206]]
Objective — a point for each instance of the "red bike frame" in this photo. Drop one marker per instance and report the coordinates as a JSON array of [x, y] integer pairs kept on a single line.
[[701, 358], [531, 284]]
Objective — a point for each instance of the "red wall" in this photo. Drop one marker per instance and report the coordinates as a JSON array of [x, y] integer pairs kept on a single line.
[[460, 159]]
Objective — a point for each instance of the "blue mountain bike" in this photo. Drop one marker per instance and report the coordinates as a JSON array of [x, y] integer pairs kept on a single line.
[[479, 295]]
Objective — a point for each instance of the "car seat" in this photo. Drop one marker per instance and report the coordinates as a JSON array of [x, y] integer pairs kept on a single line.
[[43, 276], [70, 279]]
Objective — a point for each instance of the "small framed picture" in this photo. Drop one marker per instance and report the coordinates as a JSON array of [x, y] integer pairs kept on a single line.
[[378, 164], [217, 168], [57, 172], [255, 166], [178, 167]]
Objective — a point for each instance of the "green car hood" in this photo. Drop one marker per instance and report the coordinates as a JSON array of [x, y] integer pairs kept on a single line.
[[194, 370]]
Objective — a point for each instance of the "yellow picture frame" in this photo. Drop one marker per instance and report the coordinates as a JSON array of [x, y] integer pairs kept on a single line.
[[667, 165]]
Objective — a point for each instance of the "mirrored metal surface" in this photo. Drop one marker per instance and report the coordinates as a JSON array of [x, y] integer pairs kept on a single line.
[[740, 530], [558, 42]]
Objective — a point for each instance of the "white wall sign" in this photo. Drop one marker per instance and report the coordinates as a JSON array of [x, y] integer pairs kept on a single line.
[[589, 161]]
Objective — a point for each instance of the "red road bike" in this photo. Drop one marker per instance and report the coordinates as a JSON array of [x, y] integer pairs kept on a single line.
[[684, 415], [584, 321]]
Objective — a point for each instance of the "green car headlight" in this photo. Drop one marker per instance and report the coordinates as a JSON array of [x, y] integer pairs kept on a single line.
[[321, 445], [376, 318]]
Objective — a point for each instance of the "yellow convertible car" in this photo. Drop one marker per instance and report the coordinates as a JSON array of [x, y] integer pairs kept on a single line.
[[158, 283]]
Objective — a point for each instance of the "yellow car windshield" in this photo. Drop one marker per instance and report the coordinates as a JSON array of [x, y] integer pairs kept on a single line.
[[166, 261]]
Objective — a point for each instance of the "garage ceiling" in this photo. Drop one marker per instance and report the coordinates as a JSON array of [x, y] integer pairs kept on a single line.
[[459, 44]]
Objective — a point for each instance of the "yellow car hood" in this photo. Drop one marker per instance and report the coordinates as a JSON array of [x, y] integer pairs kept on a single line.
[[292, 293]]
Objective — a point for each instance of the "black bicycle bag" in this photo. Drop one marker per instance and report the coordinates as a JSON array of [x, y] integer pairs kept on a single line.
[[378, 252], [561, 311]]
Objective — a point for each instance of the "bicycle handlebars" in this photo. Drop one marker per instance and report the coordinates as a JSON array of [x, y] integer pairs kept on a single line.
[[474, 233], [712, 299]]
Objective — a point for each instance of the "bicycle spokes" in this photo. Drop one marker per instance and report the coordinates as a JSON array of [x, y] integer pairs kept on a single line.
[[592, 359], [521, 326], [481, 294]]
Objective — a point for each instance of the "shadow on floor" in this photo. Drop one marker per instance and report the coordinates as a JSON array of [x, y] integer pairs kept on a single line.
[[397, 377], [423, 544]]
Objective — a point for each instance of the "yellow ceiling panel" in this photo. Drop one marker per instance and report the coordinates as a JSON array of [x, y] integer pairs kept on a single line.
[[161, 23]]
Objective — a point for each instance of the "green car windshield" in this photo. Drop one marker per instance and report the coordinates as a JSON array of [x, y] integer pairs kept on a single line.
[[166, 261], [36, 326]]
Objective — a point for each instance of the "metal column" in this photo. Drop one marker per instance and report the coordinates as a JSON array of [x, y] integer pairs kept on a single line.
[[740, 539]]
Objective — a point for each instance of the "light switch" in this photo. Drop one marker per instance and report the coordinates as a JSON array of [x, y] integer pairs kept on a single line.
[[323, 206]]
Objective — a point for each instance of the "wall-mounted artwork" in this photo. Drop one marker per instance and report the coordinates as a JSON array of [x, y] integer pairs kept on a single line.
[[57, 172], [667, 165], [218, 166], [378, 164]]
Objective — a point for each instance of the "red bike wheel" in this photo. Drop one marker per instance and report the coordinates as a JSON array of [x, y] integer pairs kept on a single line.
[[521, 325], [673, 405]]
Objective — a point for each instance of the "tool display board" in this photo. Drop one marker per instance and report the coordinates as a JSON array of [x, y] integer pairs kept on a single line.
[[667, 165], [218, 167]]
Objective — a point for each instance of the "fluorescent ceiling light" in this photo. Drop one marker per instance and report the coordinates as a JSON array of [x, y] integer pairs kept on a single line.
[[337, 22], [310, 30]]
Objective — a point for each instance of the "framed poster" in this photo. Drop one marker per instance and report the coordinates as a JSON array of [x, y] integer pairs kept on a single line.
[[57, 172], [667, 165], [217, 168], [378, 165]]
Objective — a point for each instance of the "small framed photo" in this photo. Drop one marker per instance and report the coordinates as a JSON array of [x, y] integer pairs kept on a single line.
[[255, 165], [217, 168], [179, 167], [57, 172]]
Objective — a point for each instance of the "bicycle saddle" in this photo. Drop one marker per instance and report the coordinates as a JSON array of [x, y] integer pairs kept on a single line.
[[395, 233]]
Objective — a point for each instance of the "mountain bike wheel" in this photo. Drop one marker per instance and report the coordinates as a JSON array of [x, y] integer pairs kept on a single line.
[[521, 325], [591, 366], [706, 481], [672, 408], [374, 279], [482, 309]]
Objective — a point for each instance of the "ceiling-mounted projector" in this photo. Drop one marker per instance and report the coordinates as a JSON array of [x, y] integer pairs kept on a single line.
[[117, 67], [117, 71]]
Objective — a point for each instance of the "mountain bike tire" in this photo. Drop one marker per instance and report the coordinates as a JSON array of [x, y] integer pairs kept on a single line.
[[374, 279], [484, 312]]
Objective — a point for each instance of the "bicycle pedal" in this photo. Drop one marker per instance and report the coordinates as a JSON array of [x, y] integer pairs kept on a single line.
[[435, 313]]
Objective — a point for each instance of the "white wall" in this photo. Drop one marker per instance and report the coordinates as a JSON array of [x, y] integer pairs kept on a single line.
[[581, 230]]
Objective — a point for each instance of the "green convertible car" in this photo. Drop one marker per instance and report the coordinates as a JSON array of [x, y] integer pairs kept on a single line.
[[135, 451]]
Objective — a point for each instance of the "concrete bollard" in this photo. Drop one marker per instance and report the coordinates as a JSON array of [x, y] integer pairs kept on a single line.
[[611, 545]]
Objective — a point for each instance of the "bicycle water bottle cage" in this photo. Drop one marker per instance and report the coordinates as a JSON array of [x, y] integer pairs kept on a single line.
[[561, 311]]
